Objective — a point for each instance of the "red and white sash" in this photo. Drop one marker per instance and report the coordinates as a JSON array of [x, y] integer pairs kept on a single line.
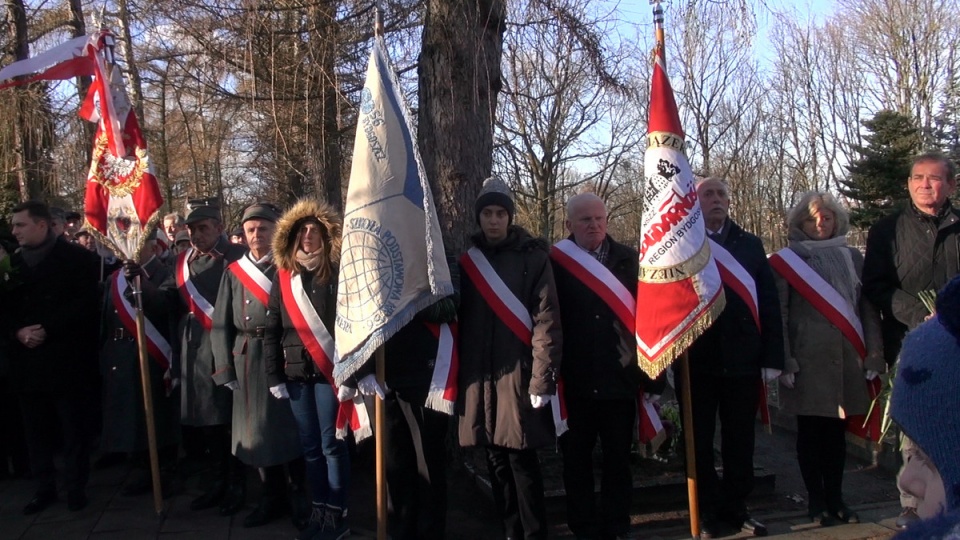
[[319, 343], [505, 305], [511, 311], [199, 306], [599, 279], [735, 276], [252, 278], [158, 346], [650, 428], [821, 295], [443, 384]]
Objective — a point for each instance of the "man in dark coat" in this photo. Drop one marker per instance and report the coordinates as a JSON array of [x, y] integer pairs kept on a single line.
[[264, 432], [726, 365], [601, 377], [50, 316], [205, 408], [124, 416], [914, 250]]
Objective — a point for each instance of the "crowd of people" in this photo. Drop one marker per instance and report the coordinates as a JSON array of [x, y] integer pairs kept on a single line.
[[240, 336]]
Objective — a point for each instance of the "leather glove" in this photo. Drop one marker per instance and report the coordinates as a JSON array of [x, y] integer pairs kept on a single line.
[[770, 374], [280, 391], [232, 385], [444, 311], [345, 393], [788, 379], [651, 398], [539, 401], [369, 386], [870, 374], [131, 269]]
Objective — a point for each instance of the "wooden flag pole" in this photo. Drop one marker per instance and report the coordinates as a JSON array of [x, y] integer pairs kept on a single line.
[[381, 451], [148, 399], [688, 440]]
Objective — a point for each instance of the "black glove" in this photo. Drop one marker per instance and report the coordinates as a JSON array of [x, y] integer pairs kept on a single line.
[[131, 269], [444, 311]]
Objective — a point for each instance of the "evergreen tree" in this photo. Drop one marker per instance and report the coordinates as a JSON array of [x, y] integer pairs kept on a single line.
[[878, 178]]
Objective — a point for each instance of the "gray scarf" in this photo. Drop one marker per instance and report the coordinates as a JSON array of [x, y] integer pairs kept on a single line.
[[830, 259], [34, 255]]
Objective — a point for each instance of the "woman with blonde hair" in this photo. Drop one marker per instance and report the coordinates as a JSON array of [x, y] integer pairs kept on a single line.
[[832, 341], [299, 354]]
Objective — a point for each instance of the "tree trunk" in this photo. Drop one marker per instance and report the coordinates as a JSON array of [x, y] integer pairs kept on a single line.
[[459, 82], [136, 85], [29, 174], [83, 83]]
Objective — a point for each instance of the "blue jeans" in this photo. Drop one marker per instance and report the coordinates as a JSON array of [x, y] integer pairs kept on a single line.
[[315, 408]]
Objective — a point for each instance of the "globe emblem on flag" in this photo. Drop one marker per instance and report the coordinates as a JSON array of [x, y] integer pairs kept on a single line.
[[366, 101], [370, 273]]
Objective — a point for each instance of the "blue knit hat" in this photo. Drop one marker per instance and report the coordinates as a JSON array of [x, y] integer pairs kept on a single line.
[[926, 393]]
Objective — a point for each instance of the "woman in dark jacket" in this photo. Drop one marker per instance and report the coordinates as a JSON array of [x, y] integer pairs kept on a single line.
[[303, 305], [506, 379]]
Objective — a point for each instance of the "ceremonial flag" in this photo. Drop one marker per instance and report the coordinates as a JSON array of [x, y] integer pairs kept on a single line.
[[679, 293], [123, 197], [392, 261]]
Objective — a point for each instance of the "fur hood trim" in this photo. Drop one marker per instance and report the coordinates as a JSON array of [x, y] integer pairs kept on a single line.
[[285, 238]]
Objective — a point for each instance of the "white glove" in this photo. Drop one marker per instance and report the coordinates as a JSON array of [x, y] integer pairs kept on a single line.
[[280, 391], [369, 386], [345, 393], [651, 398], [788, 379], [539, 401], [769, 374], [871, 374], [232, 385]]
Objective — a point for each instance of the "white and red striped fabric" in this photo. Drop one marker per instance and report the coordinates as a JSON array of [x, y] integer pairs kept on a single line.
[[319, 343], [157, 345], [252, 278], [599, 279], [442, 395], [650, 428], [200, 307], [735, 276], [821, 295]]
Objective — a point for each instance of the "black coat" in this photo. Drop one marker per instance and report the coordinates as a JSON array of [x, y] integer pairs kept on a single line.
[[909, 252], [61, 294], [733, 346], [592, 365]]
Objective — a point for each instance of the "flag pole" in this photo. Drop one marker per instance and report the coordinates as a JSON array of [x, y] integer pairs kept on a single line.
[[380, 359], [686, 398], [148, 399]]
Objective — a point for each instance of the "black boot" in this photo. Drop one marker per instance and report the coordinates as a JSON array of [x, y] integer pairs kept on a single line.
[[272, 497], [236, 495], [211, 497]]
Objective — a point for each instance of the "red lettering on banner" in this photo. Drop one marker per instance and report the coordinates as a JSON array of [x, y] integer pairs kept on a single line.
[[672, 212]]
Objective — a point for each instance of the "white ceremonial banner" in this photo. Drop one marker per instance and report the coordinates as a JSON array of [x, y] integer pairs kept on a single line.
[[392, 262]]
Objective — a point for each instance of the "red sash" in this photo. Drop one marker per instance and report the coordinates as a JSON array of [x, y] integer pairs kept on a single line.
[[319, 343], [505, 305], [157, 345], [821, 295], [649, 427], [599, 279], [443, 384], [735, 276], [252, 278], [199, 306]]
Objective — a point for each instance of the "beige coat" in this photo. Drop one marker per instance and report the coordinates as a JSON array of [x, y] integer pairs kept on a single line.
[[829, 374]]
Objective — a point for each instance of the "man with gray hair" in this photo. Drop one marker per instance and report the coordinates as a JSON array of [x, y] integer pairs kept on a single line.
[[172, 224]]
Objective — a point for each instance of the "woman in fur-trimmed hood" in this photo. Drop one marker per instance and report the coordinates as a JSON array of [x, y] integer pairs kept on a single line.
[[286, 241], [306, 248]]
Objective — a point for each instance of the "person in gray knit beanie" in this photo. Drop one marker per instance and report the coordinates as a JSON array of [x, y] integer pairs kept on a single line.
[[926, 405], [495, 192]]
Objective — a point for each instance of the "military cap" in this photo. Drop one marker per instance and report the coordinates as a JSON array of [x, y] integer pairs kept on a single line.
[[261, 210], [199, 213]]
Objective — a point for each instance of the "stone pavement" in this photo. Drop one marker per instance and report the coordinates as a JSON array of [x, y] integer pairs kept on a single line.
[[658, 512]]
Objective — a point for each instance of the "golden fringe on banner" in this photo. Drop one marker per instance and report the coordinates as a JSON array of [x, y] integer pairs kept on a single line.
[[684, 341]]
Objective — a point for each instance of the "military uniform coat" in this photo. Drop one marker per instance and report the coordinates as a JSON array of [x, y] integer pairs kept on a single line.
[[498, 372], [202, 401], [124, 418], [264, 431]]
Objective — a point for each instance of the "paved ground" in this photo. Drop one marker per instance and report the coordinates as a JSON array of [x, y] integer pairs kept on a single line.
[[659, 510]]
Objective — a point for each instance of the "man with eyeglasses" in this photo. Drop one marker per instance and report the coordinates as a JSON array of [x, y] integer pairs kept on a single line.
[[909, 252]]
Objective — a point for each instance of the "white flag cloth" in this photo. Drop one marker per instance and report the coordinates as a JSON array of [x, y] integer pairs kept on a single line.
[[392, 262]]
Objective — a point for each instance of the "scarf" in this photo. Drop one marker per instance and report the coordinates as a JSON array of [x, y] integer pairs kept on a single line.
[[830, 259], [310, 261], [34, 255]]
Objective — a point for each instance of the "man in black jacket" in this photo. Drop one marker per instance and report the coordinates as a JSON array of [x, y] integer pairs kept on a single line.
[[914, 250], [50, 315], [601, 377], [726, 365]]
